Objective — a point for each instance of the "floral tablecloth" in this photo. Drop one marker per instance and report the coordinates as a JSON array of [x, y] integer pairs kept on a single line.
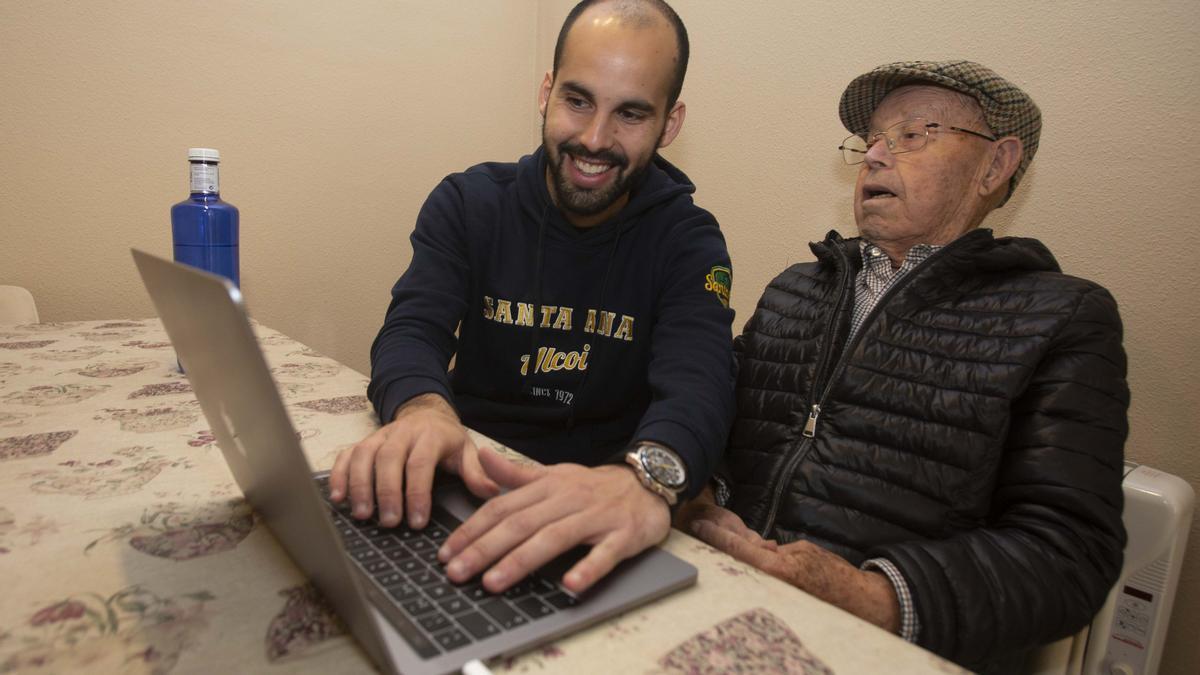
[[125, 545]]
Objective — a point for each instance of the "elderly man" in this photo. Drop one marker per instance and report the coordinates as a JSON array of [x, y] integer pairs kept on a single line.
[[931, 420]]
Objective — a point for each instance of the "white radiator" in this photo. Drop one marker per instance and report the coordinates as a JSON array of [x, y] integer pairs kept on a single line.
[[1126, 637]]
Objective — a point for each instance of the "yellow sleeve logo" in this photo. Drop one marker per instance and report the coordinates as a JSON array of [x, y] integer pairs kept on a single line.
[[719, 280]]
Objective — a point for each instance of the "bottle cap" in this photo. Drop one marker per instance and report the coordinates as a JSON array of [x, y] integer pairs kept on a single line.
[[203, 155]]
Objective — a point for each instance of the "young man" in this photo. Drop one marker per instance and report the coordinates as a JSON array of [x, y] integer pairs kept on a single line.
[[590, 297]]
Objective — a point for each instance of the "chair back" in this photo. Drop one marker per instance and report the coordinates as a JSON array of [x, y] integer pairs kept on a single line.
[[17, 305]]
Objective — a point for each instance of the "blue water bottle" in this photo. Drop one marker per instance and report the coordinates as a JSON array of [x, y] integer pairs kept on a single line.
[[204, 228]]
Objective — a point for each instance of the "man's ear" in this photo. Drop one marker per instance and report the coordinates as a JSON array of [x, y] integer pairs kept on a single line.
[[544, 92], [1006, 157], [674, 124]]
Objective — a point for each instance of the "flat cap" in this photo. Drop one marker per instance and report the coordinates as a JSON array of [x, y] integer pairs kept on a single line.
[[1008, 110]]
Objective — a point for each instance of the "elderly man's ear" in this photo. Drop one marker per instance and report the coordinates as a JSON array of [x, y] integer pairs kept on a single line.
[[1006, 156]]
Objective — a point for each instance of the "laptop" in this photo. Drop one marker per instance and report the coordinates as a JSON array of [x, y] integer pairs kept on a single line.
[[384, 583]]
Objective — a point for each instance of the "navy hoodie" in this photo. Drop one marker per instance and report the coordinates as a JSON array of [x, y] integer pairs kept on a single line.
[[571, 342]]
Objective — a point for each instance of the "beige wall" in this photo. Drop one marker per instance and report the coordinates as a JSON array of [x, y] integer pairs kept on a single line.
[[335, 122]]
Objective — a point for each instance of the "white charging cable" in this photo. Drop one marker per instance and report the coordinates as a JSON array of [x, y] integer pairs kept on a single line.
[[475, 667]]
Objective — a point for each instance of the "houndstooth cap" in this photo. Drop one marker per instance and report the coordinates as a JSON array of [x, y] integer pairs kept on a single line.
[[1008, 110]]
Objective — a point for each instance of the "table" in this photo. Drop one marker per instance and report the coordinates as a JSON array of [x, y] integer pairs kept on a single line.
[[125, 545]]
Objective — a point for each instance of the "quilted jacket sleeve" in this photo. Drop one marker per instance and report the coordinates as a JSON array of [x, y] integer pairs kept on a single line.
[[1043, 562]]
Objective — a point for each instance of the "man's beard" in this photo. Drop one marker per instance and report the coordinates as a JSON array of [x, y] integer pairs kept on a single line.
[[582, 201]]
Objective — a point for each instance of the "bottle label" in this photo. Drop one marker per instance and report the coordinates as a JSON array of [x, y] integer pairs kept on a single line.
[[204, 178]]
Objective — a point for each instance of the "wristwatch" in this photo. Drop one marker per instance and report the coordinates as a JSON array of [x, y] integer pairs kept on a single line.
[[660, 470]]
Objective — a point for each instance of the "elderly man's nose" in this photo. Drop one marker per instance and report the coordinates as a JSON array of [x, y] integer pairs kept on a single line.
[[879, 152]]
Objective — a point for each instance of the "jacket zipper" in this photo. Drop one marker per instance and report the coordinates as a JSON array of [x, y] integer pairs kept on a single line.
[[810, 425]]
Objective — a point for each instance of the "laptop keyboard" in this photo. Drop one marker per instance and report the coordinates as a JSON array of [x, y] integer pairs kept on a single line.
[[433, 614]]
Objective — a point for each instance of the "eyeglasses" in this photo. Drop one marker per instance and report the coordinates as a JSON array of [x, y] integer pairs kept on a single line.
[[907, 136]]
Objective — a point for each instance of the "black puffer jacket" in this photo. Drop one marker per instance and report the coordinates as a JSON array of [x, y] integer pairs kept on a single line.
[[971, 433]]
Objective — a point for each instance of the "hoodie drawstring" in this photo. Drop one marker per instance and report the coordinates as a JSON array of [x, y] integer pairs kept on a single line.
[[537, 301], [535, 334], [612, 256]]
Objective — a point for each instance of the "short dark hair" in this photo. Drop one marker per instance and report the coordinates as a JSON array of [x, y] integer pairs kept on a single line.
[[629, 7]]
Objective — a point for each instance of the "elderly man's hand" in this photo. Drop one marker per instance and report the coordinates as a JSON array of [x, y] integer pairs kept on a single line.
[[704, 509], [549, 511], [868, 595], [395, 465]]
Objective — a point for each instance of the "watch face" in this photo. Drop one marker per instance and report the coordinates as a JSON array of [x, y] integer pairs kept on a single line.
[[663, 466]]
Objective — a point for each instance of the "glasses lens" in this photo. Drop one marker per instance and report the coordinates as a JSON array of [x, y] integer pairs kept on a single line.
[[854, 150], [909, 135]]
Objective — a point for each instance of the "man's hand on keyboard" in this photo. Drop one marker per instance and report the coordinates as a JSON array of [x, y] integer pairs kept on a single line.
[[395, 465], [548, 511]]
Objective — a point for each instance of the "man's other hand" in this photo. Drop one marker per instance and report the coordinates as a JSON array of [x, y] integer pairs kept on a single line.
[[395, 465], [704, 509], [548, 511], [828, 576]]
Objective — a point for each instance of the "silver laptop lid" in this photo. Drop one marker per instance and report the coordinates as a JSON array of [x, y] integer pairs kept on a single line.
[[205, 318]]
